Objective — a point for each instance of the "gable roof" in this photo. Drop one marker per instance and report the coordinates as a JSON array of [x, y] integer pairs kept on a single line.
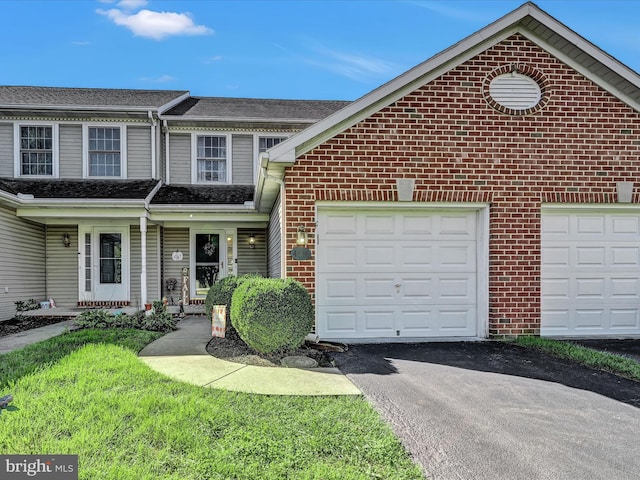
[[253, 109], [51, 98], [528, 20]]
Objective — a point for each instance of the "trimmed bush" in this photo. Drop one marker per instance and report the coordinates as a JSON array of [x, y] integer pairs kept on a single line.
[[272, 314], [101, 319], [221, 293]]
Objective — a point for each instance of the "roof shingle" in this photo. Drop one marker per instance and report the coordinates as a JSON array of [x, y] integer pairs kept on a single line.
[[79, 189]]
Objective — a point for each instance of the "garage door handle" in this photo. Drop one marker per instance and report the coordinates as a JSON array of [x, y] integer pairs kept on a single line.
[[397, 285]]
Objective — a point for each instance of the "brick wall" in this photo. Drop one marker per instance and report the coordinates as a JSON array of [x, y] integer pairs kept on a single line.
[[458, 148]]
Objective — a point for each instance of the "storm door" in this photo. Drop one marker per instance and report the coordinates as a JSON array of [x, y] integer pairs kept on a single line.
[[208, 264]]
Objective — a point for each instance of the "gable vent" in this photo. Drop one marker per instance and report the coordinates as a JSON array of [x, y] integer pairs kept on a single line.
[[515, 91]]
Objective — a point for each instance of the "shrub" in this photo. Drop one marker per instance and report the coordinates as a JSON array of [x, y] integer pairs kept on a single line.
[[272, 314], [25, 306], [221, 293], [101, 319]]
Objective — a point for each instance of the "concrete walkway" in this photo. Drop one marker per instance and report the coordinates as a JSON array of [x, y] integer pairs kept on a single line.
[[182, 355]]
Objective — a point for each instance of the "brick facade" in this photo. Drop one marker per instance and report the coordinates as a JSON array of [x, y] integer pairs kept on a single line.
[[460, 149]]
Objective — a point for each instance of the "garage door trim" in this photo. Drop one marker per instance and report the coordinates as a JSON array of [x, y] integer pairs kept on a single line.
[[482, 254]]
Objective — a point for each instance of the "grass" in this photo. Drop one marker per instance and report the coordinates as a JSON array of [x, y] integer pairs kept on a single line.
[[609, 362], [126, 421]]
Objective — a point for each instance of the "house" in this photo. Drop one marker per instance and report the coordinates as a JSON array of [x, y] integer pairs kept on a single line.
[[489, 191], [106, 194]]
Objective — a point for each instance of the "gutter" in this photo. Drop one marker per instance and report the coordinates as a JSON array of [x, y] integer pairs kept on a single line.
[[153, 122], [167, 167], [152, 193]]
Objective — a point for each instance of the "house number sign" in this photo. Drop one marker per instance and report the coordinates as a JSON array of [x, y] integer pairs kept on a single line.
[[301, 253]]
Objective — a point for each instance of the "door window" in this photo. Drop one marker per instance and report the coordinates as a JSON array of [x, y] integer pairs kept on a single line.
[[110, 258]]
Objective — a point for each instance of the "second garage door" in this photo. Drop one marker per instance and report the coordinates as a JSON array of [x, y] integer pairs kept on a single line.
[[384, 274], [590, 273]]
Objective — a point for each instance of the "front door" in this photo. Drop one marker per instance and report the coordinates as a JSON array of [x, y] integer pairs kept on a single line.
[[208, 260], [110, 265]]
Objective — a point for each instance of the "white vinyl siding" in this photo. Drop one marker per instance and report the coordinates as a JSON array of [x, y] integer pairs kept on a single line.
[[175, 239], [22, 256], [70, 151], [62, 266], [6, 149], [242, 155], [274, 242], [252, 260], [180, 158], [139, 152], [590, 281]]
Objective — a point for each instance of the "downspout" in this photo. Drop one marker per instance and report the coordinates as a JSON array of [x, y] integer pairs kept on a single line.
[[153, 144], [283, 231], [167, 171]]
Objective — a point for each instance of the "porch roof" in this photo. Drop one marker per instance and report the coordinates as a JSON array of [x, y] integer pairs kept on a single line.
[[203, 195], [79, 189]]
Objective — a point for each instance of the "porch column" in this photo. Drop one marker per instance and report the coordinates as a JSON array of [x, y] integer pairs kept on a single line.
[[143, 262]]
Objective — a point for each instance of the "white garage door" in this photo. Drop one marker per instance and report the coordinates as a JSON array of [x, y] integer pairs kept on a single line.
[[383, 274], [590, 274]]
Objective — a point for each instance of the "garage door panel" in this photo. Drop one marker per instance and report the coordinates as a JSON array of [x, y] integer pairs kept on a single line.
[[590, 274], [396, 274], [626, 319]]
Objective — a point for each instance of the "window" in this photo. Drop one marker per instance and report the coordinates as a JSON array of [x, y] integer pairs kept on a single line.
[[104, 152], [265, 143], [36, 150], [211, 158]]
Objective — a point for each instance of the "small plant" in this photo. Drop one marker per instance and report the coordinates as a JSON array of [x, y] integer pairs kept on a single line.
[[25, 306], [272, 314], [101, 319]]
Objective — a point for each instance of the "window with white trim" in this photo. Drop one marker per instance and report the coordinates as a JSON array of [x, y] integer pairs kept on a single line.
[[265, 143], [105, 158], [36, 150], [211, 158]]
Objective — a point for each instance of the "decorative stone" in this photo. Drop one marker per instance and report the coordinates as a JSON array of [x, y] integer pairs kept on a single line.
[[624, 191], [405, 188], [297, 361]]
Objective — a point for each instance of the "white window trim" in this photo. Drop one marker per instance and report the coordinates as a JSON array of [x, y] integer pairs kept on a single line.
[[55, 130], [256, 149], [194, 156], [123, 149]]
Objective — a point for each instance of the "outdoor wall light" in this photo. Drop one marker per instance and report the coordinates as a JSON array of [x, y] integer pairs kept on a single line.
[[66, 241], [252, 241], [301, 236]]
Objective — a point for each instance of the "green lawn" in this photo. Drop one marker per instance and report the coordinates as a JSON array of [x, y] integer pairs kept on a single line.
[[609, 362], [87, 393]]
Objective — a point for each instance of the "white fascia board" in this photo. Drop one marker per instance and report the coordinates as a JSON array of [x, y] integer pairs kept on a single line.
[[437, 65], [101, 108], [9, 199], [202, 216], [173, 103], [209, 118], [80, 212], [398, 87]]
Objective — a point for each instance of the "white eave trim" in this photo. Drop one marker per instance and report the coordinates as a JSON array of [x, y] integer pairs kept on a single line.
[[173, 103], [201, 118], [438, 64]]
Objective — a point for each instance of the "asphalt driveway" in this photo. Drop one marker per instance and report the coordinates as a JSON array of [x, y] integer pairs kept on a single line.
[[490, 410]]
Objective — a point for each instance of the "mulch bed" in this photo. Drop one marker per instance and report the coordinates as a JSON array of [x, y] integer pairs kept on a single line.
[[233, 349], [17, 325]]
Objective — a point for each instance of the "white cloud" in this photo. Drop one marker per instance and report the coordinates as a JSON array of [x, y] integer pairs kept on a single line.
[[459, 11], [155, 25], [213, 59], [161, 79], [353, 66], [132, 4]]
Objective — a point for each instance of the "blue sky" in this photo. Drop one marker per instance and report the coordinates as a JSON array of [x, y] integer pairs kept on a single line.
[[309, 49]]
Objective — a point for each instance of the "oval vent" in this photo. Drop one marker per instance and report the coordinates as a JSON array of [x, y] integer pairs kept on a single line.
[[515, 91]]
